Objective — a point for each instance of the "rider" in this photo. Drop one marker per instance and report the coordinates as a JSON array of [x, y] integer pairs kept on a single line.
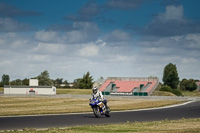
[[98, 94]]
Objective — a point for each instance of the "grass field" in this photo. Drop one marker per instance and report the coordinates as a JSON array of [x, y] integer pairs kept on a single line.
[[47, 105], [165, 126], [74, 91], [193, 93], [1, 89]]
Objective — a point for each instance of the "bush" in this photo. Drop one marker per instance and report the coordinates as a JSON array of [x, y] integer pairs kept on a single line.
[[188, 85], [166, 88], [169, 89], [177, 92]]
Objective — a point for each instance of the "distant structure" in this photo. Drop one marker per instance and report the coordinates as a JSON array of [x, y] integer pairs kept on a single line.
[[32, 89], [132, 86]]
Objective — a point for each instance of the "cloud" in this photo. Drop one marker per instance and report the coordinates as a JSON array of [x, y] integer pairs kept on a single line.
[[89, 50], [77, 32], [171, 23], [86, 12], [91, 9], [46, 36], [11, 25], [174, 13], [49, 48], [117, 36], [7, 10]]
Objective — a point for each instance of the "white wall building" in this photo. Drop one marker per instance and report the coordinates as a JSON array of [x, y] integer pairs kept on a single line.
[[32, 89]]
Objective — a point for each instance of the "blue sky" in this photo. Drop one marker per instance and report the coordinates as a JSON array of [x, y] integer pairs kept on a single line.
[[126, 38]]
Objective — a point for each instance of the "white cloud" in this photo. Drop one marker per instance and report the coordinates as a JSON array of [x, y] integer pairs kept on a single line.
[[76, 36], [46, 36], [49, 48], [194, 40], [172, 13], [89, 50]]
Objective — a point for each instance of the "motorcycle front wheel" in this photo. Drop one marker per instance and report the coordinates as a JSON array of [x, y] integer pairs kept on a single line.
[[96, 111]]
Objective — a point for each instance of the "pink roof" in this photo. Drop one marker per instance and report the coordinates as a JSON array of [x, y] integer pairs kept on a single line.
[[128, 86], [151, 87], [104, 85], [124, 86]]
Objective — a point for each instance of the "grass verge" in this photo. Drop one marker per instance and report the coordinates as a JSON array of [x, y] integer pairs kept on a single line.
[[165, 126], [10, 106]]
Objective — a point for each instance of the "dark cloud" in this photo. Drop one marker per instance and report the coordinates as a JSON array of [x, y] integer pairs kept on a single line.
[[11, 25], [171, 28], [92, 9], [86, 13], [118, 36], [10, 11]]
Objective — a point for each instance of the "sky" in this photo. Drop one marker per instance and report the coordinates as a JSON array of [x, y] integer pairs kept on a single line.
[[108, 38]]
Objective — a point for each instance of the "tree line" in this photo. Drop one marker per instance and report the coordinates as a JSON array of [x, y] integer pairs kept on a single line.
[[170, 79], [85, 82]]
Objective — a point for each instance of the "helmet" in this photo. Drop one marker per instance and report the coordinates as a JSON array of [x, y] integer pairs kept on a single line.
[[94, 90]]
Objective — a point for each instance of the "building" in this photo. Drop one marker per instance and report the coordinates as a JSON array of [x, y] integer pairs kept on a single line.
[[141, 86], [32, 89]]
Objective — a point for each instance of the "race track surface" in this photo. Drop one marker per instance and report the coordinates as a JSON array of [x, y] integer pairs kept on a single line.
[[191, 110]]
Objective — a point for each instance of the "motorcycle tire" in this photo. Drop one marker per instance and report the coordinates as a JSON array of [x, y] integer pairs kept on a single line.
[[107, 113], [96, 111]]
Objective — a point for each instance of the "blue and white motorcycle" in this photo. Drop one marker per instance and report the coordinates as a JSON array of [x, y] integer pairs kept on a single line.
[[99, 108]]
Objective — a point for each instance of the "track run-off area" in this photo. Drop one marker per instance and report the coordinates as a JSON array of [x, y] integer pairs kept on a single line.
[[189, 109]]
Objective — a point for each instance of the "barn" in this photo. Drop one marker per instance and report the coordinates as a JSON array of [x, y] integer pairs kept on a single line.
[[32, 89]]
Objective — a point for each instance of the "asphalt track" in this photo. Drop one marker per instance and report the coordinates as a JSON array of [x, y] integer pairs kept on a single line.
[[190, 110]]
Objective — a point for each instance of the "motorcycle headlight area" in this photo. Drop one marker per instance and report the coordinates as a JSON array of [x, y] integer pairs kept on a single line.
[[101, 105]]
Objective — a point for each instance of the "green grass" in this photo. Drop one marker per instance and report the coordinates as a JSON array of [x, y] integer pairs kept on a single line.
[[165, 126], [74, 91]]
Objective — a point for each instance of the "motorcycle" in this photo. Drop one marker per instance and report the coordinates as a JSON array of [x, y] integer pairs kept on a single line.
[[99, 108]]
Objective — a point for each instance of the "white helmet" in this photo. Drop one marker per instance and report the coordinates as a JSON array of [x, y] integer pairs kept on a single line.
[[94, 90]]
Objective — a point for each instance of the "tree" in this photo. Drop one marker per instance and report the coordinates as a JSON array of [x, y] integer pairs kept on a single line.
[[86, 82], [170, 76], [16, 82], [58, 81], [77, 82], [44, 79], [188, 85], [5, 79], [25, 81]]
